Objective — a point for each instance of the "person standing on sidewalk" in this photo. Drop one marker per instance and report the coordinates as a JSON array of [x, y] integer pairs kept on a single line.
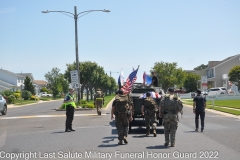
[[199, 105], [70, 107]]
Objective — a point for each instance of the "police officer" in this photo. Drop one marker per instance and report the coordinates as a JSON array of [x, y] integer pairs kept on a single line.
[[199, 105], [70, 107]]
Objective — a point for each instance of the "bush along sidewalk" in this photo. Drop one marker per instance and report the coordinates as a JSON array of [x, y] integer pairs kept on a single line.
[[87, 105]]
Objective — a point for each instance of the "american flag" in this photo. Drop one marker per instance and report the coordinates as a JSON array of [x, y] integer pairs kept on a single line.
[[129, 82]]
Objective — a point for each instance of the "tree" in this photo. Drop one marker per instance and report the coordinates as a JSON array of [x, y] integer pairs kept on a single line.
[[28, 85], [234, 75], [44, 89], [92, 76], [168, 74], [202, 66], [190, 82], [56, 81]]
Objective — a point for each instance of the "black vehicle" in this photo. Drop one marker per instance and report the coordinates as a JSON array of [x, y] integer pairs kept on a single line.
[[139, 90]]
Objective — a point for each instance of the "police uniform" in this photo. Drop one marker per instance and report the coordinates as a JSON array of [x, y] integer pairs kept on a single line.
[[70, 107]]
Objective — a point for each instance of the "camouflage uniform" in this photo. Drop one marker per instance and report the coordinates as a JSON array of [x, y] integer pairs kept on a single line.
[[170, 119], [99, 101], [150, 110], [121, 112]]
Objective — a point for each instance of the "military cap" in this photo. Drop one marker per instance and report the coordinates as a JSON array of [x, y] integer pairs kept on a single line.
[[120, 91], [198, 91]]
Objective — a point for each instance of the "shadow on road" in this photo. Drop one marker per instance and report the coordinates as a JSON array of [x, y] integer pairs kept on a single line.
[[157, 147], [190, 132], [109, 139], [58, 132]]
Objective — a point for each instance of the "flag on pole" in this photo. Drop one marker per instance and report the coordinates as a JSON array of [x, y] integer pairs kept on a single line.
[[129, 82], [120, 79], [147, 79]]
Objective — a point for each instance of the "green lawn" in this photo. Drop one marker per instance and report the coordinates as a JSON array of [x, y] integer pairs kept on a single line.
[[107, 99], [219, 104], [23, 102]]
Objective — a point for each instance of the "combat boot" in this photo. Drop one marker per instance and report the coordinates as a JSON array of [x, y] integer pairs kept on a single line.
[[148, 132], [172, 144], [120, 142], [154, 133], [125, 140], [166, 144]]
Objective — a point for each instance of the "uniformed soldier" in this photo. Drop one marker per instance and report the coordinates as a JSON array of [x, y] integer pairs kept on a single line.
[[149, 109], [70, 107], [169, 111], [99, 101], [123, 114]]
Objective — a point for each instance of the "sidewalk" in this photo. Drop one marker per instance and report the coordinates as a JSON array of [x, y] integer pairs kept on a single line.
[[16, 106]]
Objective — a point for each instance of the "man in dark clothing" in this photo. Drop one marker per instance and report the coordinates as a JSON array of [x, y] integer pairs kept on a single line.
[[199, 105], [154, 80]]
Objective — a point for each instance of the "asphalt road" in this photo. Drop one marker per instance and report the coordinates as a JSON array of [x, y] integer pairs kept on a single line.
[[37, 132]]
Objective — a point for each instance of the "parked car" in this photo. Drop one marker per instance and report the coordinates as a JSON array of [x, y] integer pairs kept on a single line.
[[217, 91], [45, 94], [3, 105]]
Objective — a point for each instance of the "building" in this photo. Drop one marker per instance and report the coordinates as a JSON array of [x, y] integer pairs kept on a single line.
[[15, 81], [217, 72]]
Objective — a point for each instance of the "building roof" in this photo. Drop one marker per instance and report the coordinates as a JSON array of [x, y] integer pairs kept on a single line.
[[9, 72], [40, 82], [26, 74], [212, 64]]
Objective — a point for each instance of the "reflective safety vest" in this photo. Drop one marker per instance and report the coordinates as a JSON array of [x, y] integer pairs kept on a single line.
[[72, 103]]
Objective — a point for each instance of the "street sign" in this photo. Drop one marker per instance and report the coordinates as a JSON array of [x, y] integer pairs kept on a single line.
[[74, 79], [204, 82]]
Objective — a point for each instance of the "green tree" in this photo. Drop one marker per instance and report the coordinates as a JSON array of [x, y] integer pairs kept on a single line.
[[56, 81], [44, 89], [202, 66], [28, 85], [26, 94], [190, 82], [234, 75], [169, 74]]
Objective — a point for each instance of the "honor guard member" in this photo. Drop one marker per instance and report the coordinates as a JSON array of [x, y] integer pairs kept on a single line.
[[170, 106], [123, 114], [99, 101], [70, 106], [149, 110]]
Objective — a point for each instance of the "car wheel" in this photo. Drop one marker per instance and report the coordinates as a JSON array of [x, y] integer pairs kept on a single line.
[[4, 112]]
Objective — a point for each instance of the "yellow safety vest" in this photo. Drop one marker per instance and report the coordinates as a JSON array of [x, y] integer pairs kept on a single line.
[[70, 103]]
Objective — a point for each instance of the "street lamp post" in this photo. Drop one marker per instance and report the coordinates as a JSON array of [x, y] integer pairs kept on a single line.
[[76, 38]]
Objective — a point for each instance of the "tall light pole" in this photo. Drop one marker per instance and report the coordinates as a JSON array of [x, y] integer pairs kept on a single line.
[[75, 16]]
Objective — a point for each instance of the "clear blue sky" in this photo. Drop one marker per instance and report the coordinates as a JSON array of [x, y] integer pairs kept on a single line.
[[135, 32]]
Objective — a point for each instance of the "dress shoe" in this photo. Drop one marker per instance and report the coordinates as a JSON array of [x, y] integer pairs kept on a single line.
[[67, 130], [72, 130]]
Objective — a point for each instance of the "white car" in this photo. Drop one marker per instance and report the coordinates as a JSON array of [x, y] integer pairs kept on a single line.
[[217, 91], [3, 105]]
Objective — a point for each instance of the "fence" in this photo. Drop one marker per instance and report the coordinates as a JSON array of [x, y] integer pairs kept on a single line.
[[216, 97]]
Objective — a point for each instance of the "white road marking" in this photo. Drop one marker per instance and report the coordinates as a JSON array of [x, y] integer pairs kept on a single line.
[[47, 116]]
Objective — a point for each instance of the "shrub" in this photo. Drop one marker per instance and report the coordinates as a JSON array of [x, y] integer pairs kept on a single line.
[[34, 98], [88, 105], [26, 94], [17, 95], [82, 102], [7, 93], [11, 99]]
